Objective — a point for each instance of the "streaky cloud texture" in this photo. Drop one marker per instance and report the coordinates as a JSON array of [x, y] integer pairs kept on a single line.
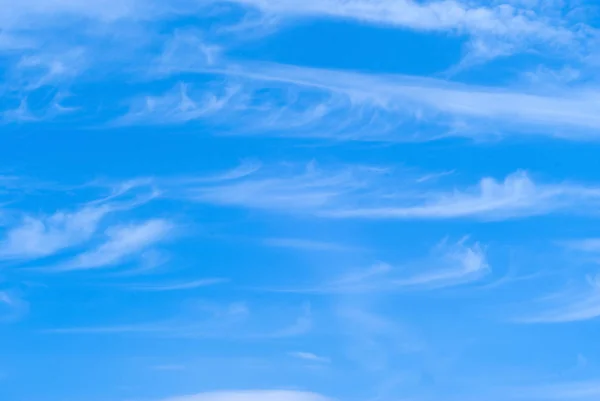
[[299, 200], [449, 265]]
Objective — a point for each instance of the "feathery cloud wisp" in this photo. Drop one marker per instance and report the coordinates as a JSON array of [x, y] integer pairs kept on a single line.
[[572, 305], [516, 196], [494, 29], [449, 265], [308, 190], [274, 99], [40, 237], [123, 243], [369, 193]]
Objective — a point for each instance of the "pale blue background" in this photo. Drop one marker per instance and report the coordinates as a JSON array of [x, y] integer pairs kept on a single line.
[[75, 127]]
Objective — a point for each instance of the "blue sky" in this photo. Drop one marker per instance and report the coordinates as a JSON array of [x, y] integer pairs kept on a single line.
[[299, 200]]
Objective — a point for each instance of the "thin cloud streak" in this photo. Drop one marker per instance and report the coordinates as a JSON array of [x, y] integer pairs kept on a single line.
[[186, 285], [234, 321], [516, 196], [422, 95], [309, 357], [584, 390], [345, 105], [573, 305], [370, 193], [12, 306], [448, 265], [307, 189]]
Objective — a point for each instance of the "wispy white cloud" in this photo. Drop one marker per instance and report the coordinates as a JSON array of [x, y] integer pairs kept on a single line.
[[545, 76], [504, 20], [375, 340], [492, 30], [175, 56], [375, 193], [434, 176], [309, 189], [253, 395], [302, 325], [37, 237], [205, 320], [234, 321], [448, 265], [274, 99], [103, 10], [176, 107], [415, 99], [36, 70], [578, 303], [245, 169], [12, 306], [516, 25], [285, 100], [29, 236], [584, 390], [309, 357], [123, 243], [185, 285], [588, 245], [516, 196]]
